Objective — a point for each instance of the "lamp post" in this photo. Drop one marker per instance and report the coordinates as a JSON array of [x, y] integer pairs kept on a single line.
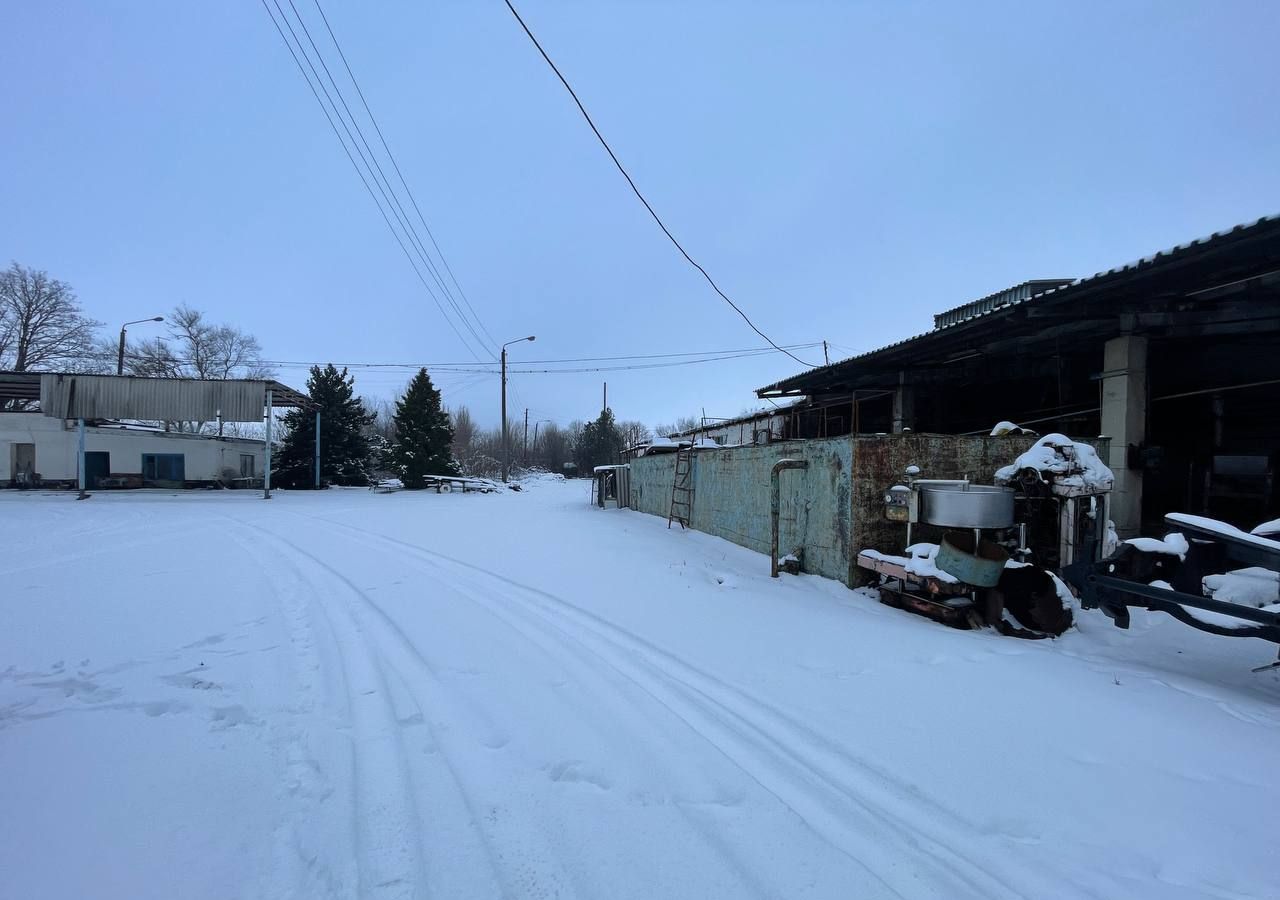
[[506, 444], [120, 355]]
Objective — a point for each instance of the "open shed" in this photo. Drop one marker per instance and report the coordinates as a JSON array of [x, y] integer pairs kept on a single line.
[[91, 400], [1172, 357]]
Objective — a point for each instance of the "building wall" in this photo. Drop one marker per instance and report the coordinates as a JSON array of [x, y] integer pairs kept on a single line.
[[731, 498], [740, 432], [823, 510], [57, 444]]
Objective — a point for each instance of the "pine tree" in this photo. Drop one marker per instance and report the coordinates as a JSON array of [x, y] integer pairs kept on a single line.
[[345, 452], [599, 444], [424, 435]]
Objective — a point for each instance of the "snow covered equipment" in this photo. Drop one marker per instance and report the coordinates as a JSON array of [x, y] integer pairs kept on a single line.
[[983, 570], [1208, 574]]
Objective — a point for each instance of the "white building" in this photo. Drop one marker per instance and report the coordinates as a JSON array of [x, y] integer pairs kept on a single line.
[[37, 449]]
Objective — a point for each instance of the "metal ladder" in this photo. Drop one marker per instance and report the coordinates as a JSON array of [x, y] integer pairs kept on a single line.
[[682, 488]]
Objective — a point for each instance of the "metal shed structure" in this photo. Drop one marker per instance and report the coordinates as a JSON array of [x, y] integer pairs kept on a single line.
[[1173, 357], [72, 396]]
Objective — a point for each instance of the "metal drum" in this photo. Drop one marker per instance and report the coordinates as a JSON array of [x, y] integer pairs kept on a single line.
[[966, 506], [980, 565]]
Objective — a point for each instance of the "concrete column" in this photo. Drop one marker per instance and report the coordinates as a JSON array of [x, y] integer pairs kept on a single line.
[[904, 405], [1124, 420]]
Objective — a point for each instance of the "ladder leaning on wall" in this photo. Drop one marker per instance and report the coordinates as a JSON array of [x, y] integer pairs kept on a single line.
[[682, 488]]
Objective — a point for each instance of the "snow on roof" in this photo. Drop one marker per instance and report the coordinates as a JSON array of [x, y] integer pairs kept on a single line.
[[1070, 462]]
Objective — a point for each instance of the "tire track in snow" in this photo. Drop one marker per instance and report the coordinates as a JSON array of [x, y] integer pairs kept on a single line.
[[882, 823], [395, 645], [388, 858], [745, 868]]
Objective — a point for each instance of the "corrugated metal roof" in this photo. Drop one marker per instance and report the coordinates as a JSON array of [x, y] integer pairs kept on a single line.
[[64, 396], [1050, 294], [1015, 294]]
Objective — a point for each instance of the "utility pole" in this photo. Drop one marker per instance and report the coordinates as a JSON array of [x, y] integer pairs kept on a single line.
[[525, 453], [825, 358], [506, 465], [506, 437], [317, 449], [604, 403]]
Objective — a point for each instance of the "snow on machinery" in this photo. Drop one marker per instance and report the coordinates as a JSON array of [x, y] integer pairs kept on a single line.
[[997, 559], [1207, 574], [1048, 513]]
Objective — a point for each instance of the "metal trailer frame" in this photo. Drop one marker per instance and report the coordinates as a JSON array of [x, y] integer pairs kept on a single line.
[[1099, 589]]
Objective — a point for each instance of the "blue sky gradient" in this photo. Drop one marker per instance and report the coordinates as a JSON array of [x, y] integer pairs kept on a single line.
[[844, 170]]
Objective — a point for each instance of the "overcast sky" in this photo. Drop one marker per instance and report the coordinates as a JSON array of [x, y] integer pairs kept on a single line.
[[844, 170]]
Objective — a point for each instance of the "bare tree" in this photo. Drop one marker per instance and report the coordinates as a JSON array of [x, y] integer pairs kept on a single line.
[[41, 323], [682, 425], [634, 432], [197, 348], [464, 432], [553, 449]]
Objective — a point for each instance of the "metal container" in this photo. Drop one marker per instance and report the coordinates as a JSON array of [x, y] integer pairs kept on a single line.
[[966, 505], [956, 557]]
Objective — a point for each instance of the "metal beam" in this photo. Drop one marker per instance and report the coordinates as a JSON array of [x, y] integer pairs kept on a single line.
[[266, 475]]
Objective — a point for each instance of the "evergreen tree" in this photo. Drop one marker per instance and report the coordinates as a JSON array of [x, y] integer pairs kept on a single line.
[[345, 451], [423, 443], [599, 444]]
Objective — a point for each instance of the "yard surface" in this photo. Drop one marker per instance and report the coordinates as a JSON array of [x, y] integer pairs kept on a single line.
[[469, 696]]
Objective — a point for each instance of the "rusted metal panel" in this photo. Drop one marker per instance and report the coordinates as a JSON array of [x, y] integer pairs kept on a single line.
[[158, 399]]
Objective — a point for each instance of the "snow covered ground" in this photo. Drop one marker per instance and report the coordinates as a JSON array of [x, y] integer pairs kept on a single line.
[[352, 694]]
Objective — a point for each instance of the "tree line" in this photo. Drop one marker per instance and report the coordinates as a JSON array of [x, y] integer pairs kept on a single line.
[[44, 328], [415, 437]]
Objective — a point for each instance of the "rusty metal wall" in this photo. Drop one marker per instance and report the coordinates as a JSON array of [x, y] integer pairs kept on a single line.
[[731, 498], [151, 399]]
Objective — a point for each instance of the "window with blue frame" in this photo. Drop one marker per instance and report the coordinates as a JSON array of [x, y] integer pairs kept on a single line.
[[164, 467]]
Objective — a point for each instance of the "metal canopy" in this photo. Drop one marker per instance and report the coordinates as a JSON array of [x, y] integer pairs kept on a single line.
[[75, 396], [1180, 285]]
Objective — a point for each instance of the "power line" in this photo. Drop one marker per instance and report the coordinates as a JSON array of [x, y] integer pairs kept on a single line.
[[412, 199], [702, 356], [347, 151], [582, 109], [393, 201]]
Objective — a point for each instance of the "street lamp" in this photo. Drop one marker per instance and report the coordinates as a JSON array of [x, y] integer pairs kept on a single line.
[[120, 355], [506, 444]]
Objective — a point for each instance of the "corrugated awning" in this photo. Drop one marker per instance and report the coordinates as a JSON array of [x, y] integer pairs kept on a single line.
[[74, 396]]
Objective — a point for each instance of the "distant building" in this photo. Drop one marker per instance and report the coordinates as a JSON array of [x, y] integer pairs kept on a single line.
[[36, 450], [760, 427], [64, 429]]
